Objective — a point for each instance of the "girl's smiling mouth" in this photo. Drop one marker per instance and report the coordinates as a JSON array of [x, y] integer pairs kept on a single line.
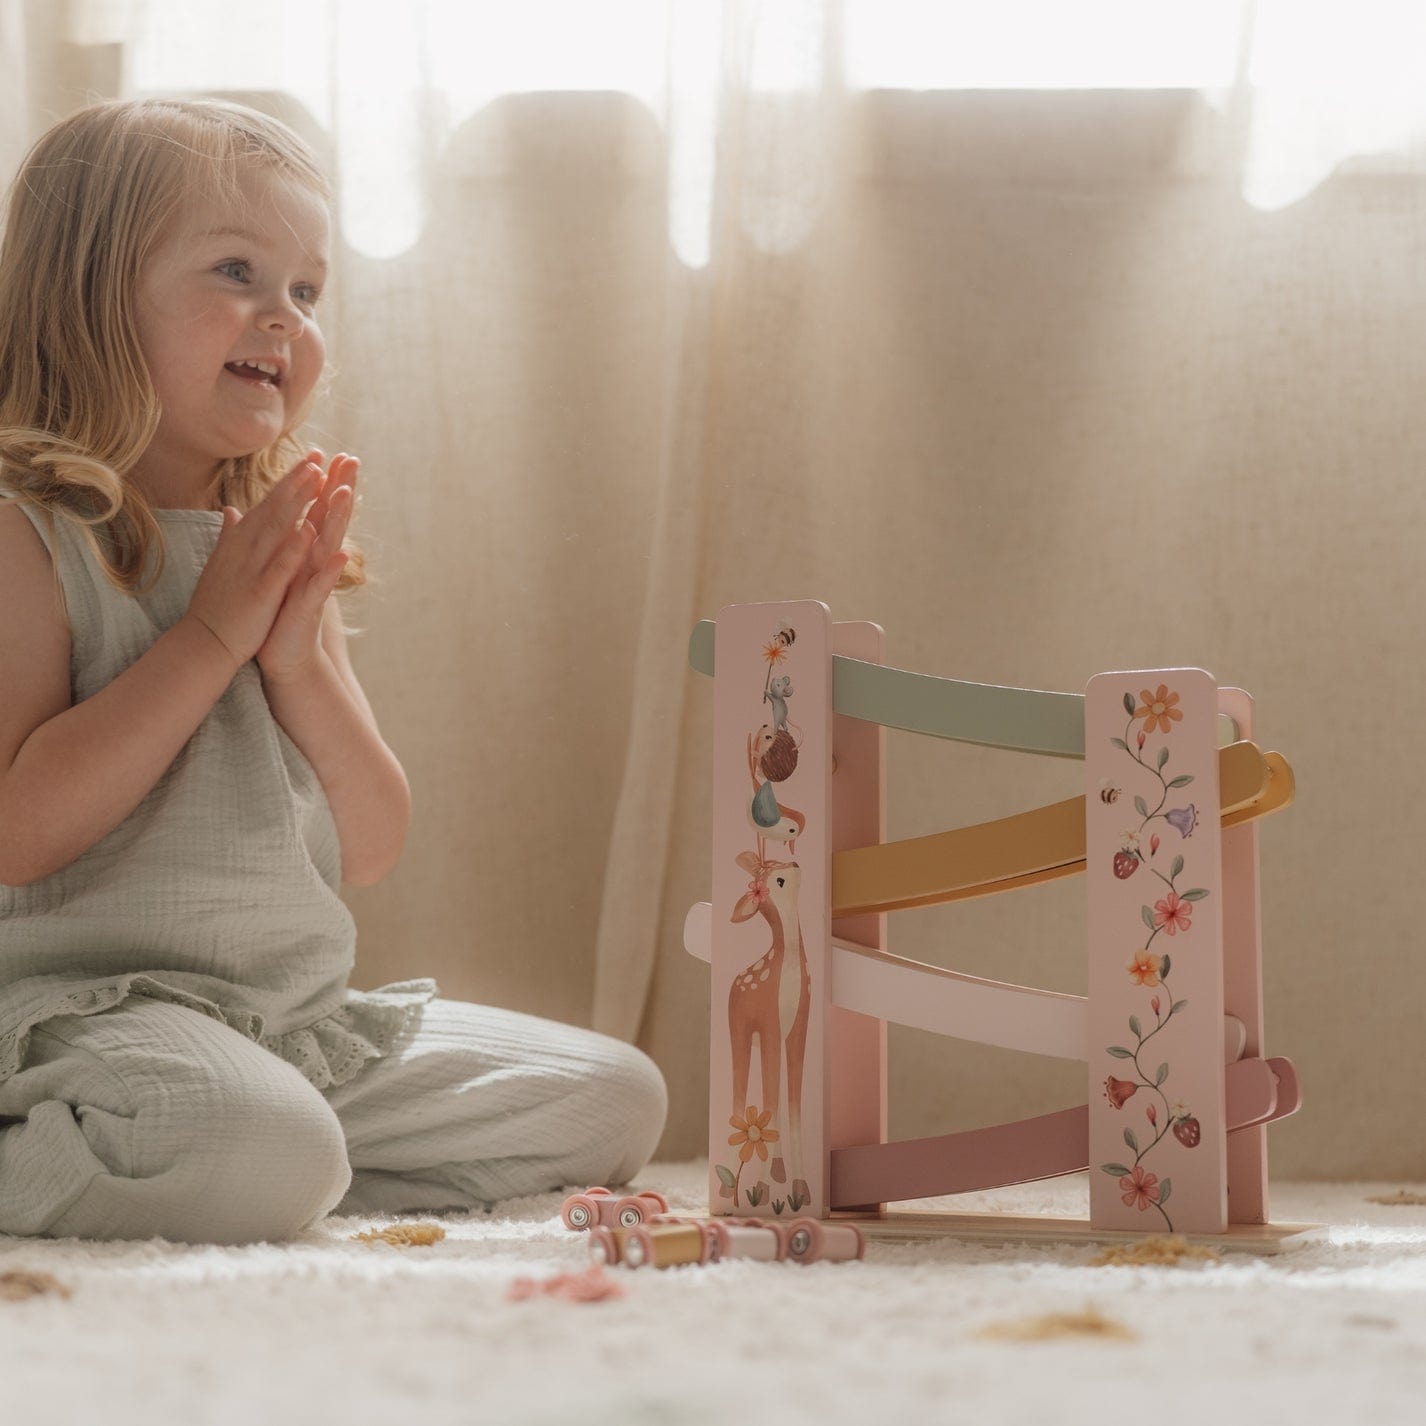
[[264, 373]]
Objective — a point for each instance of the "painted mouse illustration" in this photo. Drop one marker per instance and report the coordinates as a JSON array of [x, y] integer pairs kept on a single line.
[[777, 693]]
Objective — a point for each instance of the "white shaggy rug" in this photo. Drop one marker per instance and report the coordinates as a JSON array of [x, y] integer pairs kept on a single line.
[[327, 1329]]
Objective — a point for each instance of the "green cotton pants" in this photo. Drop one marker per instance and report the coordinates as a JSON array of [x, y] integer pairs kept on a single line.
[[154, 1120]]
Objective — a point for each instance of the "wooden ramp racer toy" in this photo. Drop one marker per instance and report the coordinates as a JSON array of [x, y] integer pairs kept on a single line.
[[598, 1207], [1173, 1132]]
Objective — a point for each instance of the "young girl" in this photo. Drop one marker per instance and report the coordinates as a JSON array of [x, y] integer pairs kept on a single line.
[[189, 768]]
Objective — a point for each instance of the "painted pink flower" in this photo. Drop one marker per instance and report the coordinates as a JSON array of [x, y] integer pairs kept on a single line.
[[1116, 1091], [1140, 1188], [1173, 913], [1154, 1004], [1153, 844], [1143, 738], [758, 891], [1150, 1115]]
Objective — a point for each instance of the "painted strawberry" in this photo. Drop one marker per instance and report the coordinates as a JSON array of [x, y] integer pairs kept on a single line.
[[1125, 864], [1187, 1131]]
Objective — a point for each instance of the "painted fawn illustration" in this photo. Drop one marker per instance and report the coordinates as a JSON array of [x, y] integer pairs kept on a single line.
[[770, 1000]]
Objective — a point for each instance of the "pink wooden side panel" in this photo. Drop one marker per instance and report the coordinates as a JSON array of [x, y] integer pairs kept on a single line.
[[1243, 981], [1045, 1147], [772, 865], [1158, 1135], [856, 1043]]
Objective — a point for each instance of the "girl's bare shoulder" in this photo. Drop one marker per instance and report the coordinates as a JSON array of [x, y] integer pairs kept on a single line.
[[34, 634]]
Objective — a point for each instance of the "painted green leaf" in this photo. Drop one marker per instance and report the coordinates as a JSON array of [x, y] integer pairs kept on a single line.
[[1141, 807], [726, 1174], [1163, 756], [1129, 704], [1148, 916], [1165, 1188], [1177, 867], [1131, 1139], [1118, 1170], [1120, 743], [1197, 894], [1134, 1026], [1177, 1006], [1120, 1053], [777, 1205], [1182, 780], [1164, 963], [1163, 1073]]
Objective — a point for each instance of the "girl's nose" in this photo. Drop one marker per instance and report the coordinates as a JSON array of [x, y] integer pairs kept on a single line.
[[289, 323], [282, 316]]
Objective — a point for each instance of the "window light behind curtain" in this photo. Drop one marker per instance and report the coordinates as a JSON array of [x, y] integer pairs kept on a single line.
[[1305, 84]]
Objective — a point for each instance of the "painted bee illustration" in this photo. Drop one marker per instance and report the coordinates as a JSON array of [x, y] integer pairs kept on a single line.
[[1107, 791]]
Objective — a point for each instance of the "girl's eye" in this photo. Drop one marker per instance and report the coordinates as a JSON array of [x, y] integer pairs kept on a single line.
[[305, 292], [235, 268]]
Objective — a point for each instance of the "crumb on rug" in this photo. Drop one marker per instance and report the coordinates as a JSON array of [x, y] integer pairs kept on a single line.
[[18, 1284], [1159, 1251], [1088, 1323], [403, 1235]]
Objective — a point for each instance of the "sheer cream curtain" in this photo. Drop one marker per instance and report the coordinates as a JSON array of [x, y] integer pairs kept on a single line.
[[1052, 342]]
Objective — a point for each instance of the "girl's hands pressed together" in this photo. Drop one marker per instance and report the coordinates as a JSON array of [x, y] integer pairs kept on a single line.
[[292, 646], [244, 583]]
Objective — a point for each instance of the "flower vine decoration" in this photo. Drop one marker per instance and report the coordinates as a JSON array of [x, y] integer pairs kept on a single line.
[[1170, 915]]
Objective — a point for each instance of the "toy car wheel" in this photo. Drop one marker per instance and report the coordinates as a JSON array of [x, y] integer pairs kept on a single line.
[[657, 1202], [580, 1213], [716, 1235], [597, 1192], [603, 1246], [804, 1240], [638, 1248], [630, 1212]]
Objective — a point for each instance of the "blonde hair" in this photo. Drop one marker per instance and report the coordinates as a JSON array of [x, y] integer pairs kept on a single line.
[[92, 200]]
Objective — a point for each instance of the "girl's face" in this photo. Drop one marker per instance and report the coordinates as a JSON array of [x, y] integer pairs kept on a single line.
[[232, 285]]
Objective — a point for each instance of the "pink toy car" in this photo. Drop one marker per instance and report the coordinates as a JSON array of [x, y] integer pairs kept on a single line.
[[597, 1206], [808, 1240]]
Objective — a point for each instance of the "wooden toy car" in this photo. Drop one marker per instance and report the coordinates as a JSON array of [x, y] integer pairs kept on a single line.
[[582, 1211], [669, 1244]]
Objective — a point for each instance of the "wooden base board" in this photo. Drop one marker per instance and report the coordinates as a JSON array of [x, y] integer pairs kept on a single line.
[[1260, 1238]]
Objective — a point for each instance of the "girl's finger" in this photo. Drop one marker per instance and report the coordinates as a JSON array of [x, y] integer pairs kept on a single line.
[[333, 482], [320, 584]]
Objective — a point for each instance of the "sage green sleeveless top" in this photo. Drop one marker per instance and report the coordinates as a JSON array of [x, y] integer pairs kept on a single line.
[[219, 891]]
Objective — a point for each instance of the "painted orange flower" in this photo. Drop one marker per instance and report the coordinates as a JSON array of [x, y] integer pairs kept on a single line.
[[1157, 709], [775, 651], [1140, 1188], [753, 1135], [1173, 914], [1144, 968]]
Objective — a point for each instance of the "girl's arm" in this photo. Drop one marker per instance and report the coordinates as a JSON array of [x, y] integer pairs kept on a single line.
[[80, 773], [324, 712]]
